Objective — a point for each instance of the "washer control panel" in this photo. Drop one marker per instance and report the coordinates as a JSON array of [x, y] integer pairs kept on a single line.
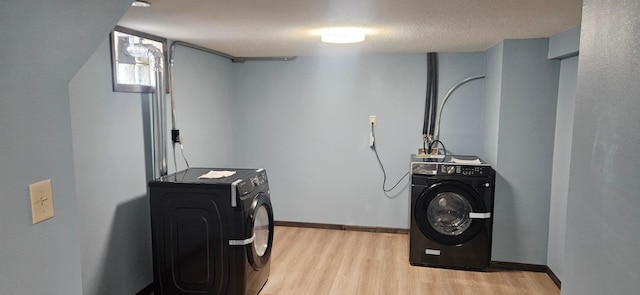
[[427, 168], [466, 170], [259, 179], [248, 185]]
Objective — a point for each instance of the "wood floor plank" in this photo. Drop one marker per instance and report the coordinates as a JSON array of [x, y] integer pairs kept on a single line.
[[336, 262]]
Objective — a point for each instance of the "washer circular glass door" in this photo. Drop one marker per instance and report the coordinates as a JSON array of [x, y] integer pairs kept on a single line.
[[448, 213], [442, 212], [261, 229]]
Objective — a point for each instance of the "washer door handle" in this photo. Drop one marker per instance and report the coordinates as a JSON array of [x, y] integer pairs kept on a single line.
[[476, 215], [242, 242]]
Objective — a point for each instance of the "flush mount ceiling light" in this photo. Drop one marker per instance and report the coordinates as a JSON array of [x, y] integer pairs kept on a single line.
[[342, 35], [140, 4]]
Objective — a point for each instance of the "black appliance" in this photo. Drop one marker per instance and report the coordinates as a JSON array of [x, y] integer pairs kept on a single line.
[[451, 212], [211, 236]]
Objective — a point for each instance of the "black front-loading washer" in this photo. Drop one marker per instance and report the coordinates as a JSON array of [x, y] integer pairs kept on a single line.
[[211, 236], [451, 212]]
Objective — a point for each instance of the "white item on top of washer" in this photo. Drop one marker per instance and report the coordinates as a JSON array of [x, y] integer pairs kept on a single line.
[[475, 161], [216, 174]]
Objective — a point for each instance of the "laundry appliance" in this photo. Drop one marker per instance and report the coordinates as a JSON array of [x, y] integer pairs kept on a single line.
[[451, 212], [211, 235]]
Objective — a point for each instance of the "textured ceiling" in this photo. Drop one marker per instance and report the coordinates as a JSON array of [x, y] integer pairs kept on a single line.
[[290, 27]]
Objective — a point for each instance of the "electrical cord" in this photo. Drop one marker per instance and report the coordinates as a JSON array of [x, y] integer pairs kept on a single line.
[[436, 131], [175, 162], [384, 173], [185, 158]]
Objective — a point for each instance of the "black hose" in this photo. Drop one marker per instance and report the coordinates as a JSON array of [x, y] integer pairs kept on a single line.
[[434, 94], [444, 149], [431, 101], [427, 103]]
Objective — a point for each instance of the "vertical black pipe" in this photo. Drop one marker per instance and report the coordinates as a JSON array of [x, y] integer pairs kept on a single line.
[[427, 103], [431, 100], [434, 95]]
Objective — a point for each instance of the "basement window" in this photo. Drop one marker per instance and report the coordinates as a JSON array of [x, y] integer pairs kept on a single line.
[[132, 71]]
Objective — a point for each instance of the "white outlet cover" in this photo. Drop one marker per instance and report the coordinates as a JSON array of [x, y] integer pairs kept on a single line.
[[372, 120]]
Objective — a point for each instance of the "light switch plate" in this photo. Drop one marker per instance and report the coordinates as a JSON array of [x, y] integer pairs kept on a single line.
[[41, 201]]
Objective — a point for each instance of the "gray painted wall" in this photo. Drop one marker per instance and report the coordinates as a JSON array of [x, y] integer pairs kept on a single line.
[[569, 41], [43, 44], [306, 122], [562, 147], [561, 164], [461, 128], [109, 156], [564, 44], [203, 93], [602, 240], [528, 96], [492, 96]]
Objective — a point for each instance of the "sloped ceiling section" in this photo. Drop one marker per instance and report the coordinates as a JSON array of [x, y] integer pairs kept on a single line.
[[291, 27]]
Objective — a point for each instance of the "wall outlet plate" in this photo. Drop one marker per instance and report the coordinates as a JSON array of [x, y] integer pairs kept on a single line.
[[372, 121], [41, 201]]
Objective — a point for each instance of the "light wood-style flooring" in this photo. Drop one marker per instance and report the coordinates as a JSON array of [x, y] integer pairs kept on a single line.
[[321, 261]]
